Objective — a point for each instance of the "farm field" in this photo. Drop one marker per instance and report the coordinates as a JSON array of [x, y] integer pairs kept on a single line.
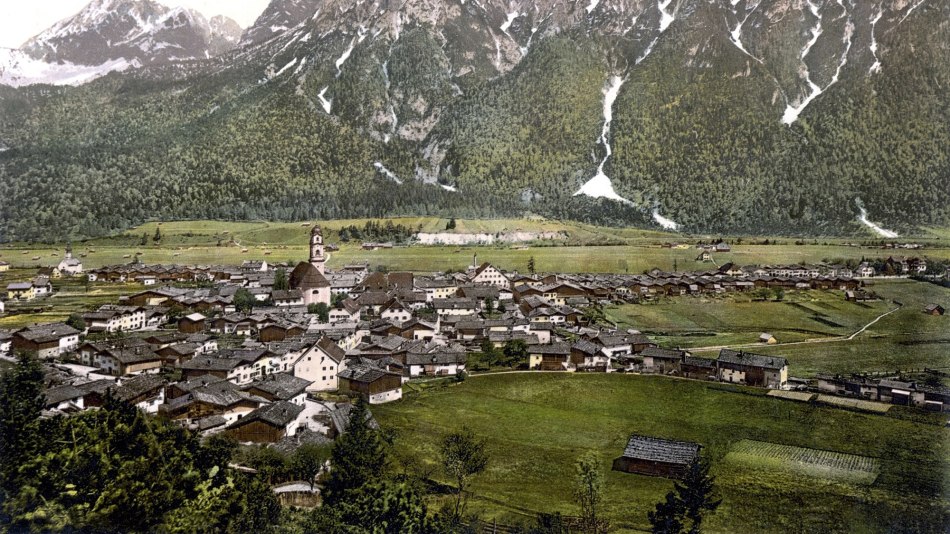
[[851, 468], [584, 250], [807, 326], [536, 425]]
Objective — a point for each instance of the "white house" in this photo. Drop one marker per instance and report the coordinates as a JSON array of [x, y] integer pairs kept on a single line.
[[321, 365], [487, 274]]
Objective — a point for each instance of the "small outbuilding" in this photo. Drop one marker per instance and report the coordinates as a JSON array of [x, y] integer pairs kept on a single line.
[[767, 338], [934, 309], [646, 455]]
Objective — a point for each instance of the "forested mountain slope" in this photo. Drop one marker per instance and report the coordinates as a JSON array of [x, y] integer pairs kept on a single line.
[[779, 116]]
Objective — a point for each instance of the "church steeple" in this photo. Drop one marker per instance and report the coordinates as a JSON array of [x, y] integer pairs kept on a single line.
[[317, 258], [69, 250]]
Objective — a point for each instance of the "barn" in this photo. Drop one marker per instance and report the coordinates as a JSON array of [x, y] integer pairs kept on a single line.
[[647, 455]]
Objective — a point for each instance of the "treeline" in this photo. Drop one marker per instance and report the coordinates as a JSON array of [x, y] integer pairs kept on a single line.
[[116, 469], [378, 232]]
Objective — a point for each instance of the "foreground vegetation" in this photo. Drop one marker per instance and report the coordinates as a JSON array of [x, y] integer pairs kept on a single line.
[[536, 425]]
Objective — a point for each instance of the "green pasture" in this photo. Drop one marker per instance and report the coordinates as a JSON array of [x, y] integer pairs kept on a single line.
[[585, 249], [537, 425]]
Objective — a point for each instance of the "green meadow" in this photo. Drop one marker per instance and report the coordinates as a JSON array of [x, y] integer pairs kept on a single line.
[[584, 248], [536, 425]]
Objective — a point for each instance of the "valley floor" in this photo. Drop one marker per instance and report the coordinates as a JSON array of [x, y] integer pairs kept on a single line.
[[537, 424]]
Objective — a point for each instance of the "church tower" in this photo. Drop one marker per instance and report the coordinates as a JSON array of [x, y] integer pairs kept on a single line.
[[317, 258], [69, 250]]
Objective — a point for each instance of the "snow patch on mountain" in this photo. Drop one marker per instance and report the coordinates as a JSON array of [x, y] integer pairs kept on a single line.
[[17, 69], [386, 172], [791, 111], [876, 66], [669, 224], [863, 217], [600, 185], [327, 104]]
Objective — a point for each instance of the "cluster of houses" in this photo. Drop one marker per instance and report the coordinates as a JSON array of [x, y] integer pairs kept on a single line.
[[255, 373], [889, 390]]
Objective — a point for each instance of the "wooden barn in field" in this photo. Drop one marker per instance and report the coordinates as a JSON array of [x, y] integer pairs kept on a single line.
[[646, 455]]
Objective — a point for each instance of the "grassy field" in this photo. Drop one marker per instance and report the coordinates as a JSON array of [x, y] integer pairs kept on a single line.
[[536, 425], [828, 465], [904, 340], [70, 296], [584, 250]]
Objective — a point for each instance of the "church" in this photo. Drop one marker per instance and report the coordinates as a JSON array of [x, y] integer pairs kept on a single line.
[[308, 277], [70, 266]]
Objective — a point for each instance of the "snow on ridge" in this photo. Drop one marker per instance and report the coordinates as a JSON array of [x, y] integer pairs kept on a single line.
[[17, 69], [736, 35]]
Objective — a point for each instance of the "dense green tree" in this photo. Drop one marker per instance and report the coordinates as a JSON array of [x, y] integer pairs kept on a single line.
[[76, 321], [308, 460], [463, 455], [21, 401], [589, 491], [243, 300], [281, 283], [358, 458], [687, 505], [321, 310], [516, 352]]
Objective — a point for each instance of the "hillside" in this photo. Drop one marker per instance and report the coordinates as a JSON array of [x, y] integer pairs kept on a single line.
[[775, 117]]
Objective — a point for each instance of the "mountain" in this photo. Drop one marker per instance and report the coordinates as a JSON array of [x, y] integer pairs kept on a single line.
[[744, 116], [115, 35]]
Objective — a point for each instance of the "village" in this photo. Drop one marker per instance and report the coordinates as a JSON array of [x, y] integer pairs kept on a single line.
[[265, 352]]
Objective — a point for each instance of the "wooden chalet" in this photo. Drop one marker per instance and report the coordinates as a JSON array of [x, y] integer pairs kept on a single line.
[[646, 455]]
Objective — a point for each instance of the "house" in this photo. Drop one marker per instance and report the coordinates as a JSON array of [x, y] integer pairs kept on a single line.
[[347, 311], [752, 369], [588, 356], [42, 286], [192, 324], [704, 256], [395, 312], [285, 298], [646, 455], [374, 384], [436, 360], [205, 396], [455, 306], [267, 424], [320, 365], [662, 361], [553, 357], [767, 338], [47, 341], [699, 368], [4, 266], [487, 274], [723, 247], [125, 360], [111, 318], [20, 291], [934, 309], [280, 387], [64, 398]]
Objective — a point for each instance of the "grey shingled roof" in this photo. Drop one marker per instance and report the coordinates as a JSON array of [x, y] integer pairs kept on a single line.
[[663, 354], [750, 359], [278, 414], [661, 450], [283, 386]]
